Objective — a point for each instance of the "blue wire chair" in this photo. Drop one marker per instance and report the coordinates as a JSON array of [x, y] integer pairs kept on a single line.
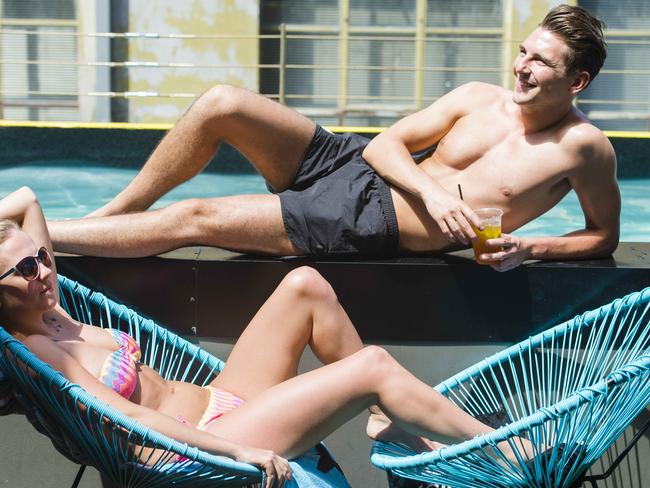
[[90, 432], [571, 390]]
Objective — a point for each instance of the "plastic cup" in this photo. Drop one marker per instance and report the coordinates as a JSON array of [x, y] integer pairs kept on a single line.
[[491, 223]]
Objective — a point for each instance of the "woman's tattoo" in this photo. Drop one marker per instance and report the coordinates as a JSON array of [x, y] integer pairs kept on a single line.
[[54, 324]]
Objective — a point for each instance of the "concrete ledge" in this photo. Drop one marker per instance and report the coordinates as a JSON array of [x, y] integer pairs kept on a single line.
[[214, 293]]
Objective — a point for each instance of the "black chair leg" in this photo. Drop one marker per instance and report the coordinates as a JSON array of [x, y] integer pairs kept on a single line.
[[397, 482], [597, 477], [80, 473]]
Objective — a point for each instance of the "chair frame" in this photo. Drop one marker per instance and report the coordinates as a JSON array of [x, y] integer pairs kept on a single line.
[[89, 432], [609, 371]]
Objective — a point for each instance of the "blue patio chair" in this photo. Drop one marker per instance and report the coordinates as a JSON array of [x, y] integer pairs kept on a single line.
[[89, 432], [571, 390]]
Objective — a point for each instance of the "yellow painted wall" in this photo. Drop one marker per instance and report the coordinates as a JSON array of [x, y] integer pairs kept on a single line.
[[521, 17], [199, 17]]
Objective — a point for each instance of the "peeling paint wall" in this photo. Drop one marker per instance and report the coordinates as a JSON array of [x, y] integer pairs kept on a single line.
[[529, 13], [521, 17], [230, 61]]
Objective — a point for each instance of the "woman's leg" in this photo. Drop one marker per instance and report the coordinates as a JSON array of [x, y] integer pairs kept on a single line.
[[292, 416], [302, 311]]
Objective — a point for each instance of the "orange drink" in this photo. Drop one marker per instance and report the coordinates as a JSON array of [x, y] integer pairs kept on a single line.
[[491, 223]]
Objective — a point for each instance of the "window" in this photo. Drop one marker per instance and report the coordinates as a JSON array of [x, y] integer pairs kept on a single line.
[[619, 98], [472, 52], [369, 62], [39, 51]]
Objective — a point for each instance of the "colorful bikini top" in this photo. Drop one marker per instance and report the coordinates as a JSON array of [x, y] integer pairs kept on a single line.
[[119, 370]]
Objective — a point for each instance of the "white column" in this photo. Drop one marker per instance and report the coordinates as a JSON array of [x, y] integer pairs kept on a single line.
[[94, 16]]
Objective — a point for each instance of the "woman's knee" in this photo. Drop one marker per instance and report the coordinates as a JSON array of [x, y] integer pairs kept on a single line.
[[376, 361], [308, 283]]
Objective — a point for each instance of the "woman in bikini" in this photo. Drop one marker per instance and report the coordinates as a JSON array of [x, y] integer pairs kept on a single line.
[[258, 409]]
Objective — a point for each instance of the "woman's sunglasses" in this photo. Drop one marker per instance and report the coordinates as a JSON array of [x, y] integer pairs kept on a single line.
[[28, 267]]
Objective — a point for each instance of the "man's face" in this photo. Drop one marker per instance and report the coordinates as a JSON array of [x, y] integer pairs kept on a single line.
[[540, 70]]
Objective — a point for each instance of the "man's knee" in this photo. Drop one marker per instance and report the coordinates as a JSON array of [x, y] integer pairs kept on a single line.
[[188, 216], [219, 101], [308, 282]]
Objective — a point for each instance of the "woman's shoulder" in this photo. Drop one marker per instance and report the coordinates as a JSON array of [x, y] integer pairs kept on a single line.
[[35, 342]]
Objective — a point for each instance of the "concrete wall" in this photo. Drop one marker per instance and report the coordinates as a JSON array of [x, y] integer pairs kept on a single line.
[[198, 17]]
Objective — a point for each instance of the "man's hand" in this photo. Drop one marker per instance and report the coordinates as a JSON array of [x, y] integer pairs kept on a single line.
[[453, 215], [514, 252]]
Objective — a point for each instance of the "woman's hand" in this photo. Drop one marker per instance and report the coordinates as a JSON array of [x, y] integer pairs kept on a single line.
[[277, 469]]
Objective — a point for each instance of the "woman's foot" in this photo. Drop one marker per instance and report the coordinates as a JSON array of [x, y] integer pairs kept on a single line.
[[522, 452], [567, 454]]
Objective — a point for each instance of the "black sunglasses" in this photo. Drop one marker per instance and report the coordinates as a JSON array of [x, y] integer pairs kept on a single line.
[[28, 267]]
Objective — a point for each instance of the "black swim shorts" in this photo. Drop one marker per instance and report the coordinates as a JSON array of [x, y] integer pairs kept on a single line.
[[337, 203]]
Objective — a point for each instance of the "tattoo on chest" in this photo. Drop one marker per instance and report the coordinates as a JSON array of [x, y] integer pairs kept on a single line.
[[53, 323]]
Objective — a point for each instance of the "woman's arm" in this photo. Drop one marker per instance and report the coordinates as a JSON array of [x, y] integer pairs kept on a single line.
[[49, 352], [23, 207]]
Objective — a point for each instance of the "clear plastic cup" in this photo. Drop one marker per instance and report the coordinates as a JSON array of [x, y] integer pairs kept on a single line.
[[491, 223]]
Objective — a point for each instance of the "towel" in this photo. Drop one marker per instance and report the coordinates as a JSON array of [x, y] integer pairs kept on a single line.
[[317, 469]]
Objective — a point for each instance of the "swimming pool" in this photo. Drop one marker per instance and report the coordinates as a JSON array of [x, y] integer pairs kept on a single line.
[[69, 192]]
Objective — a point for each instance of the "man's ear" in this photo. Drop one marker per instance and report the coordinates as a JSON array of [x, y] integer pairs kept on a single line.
[[580, 82]]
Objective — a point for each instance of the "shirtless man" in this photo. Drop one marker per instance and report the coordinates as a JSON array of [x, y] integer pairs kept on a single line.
[[521, 151]]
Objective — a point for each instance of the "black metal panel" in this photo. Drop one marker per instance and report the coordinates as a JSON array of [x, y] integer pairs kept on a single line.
[[154, 287], [117, 147], [434, 299]]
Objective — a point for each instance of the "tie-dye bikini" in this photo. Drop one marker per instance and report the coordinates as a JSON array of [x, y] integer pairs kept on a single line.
[[119, 371], [120, 374], [221, 401]]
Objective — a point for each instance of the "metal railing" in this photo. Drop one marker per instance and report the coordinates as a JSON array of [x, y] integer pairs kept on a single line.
[[340, 104]]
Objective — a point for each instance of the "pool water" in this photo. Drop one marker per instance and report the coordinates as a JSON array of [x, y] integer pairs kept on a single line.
[[69, 192]]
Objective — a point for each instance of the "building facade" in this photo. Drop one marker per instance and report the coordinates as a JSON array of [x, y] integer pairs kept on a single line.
[[341, 62]]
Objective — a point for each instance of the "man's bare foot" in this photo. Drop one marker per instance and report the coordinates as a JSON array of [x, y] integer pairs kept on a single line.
[[111, 208], [100, 212], [381, 428], [127, 201]]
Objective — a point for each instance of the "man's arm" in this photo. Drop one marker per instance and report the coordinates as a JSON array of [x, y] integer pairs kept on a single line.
[[389, 154], [594, 181]]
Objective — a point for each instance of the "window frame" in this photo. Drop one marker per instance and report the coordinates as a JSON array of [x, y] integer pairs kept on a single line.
[[420, 34], [27, 94]]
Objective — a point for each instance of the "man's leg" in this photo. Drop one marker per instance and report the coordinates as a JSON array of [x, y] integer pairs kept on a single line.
[[273, 137], [247, 223]]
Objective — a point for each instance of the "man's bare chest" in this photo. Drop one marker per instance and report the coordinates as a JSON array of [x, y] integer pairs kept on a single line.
[[501, 156]]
